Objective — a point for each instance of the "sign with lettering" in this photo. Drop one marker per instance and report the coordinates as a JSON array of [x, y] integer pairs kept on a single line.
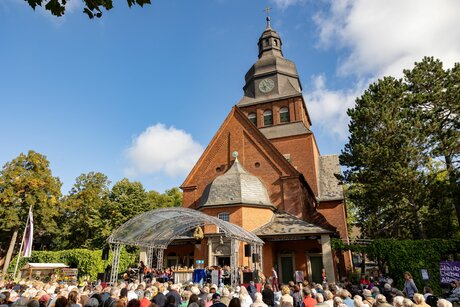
[[450, 271]]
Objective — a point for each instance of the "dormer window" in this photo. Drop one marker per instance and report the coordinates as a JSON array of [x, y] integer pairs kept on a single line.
[[253, 118], [268, 118], [284, 115]]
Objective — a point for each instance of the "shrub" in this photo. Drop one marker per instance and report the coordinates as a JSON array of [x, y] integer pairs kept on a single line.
[[88, 262], [408, 255]]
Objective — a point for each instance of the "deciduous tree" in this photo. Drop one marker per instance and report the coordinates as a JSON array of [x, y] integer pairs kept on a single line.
[[83, 223], [27, 181], [93, 8]]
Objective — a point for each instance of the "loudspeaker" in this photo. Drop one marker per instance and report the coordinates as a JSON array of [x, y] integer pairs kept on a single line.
[[105, 253], [255, 276], [247, 277], [255, 258], [247, 250]]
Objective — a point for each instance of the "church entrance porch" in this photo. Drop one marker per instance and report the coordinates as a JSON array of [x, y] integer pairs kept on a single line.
[[298, 258]]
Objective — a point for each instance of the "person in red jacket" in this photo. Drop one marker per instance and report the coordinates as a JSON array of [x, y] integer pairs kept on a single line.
[[308, 301]]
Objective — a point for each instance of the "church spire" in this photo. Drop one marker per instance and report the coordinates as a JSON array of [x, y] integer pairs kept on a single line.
[[272, 76], [268, 10], [269, 41]]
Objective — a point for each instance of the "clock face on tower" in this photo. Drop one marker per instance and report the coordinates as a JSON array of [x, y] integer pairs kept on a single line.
[[266, 85]]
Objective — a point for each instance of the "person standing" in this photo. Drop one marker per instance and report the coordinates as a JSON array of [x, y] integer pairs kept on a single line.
[[268, 297], [275, 280], [308, 301], [409, 285], [141, 268]]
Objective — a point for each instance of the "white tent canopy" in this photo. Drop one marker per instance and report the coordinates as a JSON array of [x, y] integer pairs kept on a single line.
[[158, 228]]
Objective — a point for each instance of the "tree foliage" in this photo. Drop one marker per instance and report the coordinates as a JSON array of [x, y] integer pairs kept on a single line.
[[403, 133], [126, 200], [27, 181], [82, 219], [92, 8], [83, 223]]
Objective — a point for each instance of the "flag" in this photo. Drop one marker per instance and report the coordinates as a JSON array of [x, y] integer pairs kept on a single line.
[[29, 236]]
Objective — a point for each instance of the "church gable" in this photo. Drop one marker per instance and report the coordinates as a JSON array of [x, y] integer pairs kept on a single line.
[[255, 153]]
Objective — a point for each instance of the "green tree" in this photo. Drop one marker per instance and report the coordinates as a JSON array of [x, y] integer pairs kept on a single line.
[[171, 198], [27, 181], [83, 224], [93, 8], [435, 94], [392, 181], [127, 199]]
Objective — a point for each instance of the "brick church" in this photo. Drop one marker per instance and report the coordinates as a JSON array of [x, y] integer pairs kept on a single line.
[[263, 171]]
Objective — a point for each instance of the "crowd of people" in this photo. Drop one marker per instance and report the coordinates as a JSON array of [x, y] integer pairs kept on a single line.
[[168, 294]]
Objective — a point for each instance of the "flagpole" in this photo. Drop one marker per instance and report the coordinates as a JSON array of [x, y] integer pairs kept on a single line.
[[22, 243]]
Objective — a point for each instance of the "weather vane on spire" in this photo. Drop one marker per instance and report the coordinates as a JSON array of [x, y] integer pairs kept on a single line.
[[268, 10]]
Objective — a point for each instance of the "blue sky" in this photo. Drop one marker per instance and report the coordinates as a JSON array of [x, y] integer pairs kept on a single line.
[[140, 92]]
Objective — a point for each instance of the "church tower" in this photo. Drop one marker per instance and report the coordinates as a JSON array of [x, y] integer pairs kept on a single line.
[[263, 171], [273, 102]]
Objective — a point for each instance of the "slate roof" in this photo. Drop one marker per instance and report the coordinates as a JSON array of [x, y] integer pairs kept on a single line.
[[236, 186], [278, 131], [329, 188], [288, 224]]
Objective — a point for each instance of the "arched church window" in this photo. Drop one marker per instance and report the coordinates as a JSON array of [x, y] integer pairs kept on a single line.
[[253, 118], [267, 42], [268, 118], [284, 115], [276, 42]]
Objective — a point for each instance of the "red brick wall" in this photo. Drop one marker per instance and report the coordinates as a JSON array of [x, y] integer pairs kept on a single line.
[[233, 137], [334, 212], [303, 153], [299, 248], [295, 105]]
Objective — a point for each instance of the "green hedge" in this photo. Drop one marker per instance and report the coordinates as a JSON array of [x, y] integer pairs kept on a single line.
[[408, 255], [88, 262]]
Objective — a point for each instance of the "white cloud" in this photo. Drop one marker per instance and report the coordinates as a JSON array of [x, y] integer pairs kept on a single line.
[[328, 107], [378, 38], [161, 149], [383, 37]]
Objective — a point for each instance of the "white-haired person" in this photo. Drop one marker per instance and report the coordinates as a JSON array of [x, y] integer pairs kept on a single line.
[[358, 301], [368, 298], [419, 300], [320, 300], [381, 301], [398, 301], [258, 302], [245, 298], [408, 302], [443, 303], [226, 297]]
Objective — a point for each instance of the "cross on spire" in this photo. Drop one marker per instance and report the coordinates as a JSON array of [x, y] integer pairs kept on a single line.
[[268, 10]]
